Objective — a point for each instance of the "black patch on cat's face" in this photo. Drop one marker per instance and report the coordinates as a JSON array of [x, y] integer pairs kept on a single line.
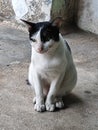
[[48, 31]]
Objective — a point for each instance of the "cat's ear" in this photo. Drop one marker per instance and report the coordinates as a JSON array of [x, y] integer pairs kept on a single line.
[[58, 21], [30, 25]]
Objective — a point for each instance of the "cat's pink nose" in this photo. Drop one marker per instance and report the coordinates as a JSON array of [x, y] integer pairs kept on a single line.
[[40, 49]]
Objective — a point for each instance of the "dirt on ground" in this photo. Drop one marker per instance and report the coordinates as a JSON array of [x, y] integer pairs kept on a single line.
[[16, 97]]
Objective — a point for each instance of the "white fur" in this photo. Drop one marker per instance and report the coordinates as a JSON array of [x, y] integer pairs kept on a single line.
[[51, 73]]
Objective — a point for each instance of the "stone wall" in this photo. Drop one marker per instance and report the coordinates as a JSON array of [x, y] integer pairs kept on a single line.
[[88, 15], [39, 10], [6, 11], [82, 12], [36, 10], [67, 9]]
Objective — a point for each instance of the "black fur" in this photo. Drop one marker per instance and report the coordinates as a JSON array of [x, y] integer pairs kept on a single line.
[[48, 31], [68, 46]]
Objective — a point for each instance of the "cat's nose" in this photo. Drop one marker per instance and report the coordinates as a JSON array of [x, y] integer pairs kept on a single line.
[[40, 49]]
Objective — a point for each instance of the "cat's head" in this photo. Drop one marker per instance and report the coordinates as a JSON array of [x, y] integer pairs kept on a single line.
[[44, 35]]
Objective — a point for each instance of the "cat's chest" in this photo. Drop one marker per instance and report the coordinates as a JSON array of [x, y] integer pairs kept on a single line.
[[49, 66], [50, 69]]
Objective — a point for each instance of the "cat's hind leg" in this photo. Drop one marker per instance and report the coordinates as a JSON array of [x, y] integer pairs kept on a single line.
[[59, 103]]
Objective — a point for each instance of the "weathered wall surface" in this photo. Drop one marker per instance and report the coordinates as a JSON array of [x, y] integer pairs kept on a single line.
[[6, 10], [39, 10], [66, 9], [88, 15], [36, 10]]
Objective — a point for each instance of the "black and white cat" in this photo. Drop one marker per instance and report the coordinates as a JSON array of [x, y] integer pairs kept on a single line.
[[52, 72]]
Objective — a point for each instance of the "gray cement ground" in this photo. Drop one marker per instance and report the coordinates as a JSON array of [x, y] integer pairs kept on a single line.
[[16, 107]]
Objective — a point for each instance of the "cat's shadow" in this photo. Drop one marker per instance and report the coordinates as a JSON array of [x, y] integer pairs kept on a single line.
[[71, 100]]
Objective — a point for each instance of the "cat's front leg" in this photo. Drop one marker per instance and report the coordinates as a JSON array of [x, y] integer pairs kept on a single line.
[[54, 92], [38, 87]]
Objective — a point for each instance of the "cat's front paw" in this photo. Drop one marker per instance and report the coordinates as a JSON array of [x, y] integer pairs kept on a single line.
[[50, 107], [39, 107]]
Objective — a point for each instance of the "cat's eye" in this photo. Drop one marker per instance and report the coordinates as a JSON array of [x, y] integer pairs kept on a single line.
[[33, 40]]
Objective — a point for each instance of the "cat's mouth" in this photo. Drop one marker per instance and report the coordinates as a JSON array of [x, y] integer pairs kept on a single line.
[[42, 51]]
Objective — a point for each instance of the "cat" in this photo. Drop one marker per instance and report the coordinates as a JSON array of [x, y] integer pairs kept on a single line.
[[52, 72]]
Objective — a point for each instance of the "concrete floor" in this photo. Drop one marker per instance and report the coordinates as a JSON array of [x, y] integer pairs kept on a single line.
[[16, 107]]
